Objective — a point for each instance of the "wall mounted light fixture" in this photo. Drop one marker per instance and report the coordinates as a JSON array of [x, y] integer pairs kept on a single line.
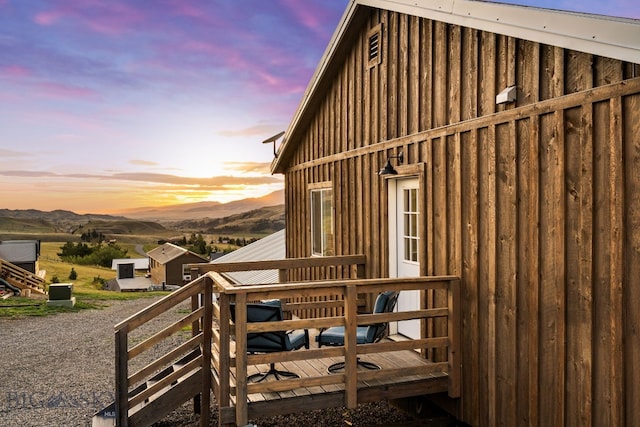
[[388, 169], [508, 94]]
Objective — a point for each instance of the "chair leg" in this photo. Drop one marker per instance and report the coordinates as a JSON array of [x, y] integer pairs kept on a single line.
[[340, 365], [260, 376]]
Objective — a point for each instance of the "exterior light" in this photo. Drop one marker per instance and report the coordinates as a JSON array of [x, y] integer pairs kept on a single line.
[[388, 169]]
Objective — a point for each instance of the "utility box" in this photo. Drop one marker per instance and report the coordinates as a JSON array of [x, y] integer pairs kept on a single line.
[[60, 294]]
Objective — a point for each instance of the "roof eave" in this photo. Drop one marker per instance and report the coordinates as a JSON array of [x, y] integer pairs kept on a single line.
[[321, 69], [610, 37]]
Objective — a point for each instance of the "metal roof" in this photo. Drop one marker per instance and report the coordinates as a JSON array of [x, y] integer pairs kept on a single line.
[[19, 251], [610, 37], [271, 247], [607, 36], [134, 284], [138, 263], [168, 252]]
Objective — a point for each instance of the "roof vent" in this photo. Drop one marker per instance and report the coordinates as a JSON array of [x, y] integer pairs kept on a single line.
[[374, 45], [374, 52]]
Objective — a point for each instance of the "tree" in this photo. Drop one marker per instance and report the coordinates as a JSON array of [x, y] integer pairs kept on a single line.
[[73, 275], [96, 254]]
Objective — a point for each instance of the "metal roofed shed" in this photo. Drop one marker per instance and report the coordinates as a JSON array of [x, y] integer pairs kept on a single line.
[[271, 247], [138, 263], [23, 253], [167, 264]]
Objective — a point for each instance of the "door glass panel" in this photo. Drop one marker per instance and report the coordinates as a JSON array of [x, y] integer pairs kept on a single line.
[[410, 219]]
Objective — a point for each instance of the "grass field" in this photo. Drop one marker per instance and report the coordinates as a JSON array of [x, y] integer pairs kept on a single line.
[[86, 286]]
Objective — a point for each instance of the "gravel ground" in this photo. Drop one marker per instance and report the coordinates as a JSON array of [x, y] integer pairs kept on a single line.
[[59, 370]]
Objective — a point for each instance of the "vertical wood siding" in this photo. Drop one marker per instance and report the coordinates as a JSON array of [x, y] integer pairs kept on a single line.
[[534, 204]]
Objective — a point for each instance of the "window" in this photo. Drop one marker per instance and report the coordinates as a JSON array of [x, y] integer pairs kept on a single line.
[[186, 272], [322, 222], [374, 46], [410, 234]]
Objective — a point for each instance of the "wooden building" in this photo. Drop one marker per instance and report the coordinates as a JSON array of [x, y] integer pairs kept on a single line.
[[167, 264], [519, 130], [21, 253]]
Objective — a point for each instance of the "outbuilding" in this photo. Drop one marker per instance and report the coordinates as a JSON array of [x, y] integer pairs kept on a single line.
[[168, 264]]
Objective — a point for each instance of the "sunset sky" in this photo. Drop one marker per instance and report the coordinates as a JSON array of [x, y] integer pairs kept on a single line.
[[108, 105]]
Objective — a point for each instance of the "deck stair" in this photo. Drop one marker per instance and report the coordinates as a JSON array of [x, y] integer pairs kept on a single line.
[[21, 278], [186, 385]]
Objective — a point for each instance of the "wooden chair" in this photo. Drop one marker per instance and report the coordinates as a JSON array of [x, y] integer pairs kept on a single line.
[[270, 342], [385, 303]]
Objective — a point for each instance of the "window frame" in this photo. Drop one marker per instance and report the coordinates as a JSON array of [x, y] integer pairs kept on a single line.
[[326, 245]]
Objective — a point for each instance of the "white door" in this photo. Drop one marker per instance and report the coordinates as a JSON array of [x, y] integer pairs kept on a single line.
[[404, 219]]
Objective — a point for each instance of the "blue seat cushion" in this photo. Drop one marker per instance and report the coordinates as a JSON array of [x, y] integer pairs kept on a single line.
[[381, 302], [335, 335], [297, 339]]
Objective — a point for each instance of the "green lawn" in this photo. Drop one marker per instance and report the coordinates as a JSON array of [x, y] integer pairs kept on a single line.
[[86, 286]]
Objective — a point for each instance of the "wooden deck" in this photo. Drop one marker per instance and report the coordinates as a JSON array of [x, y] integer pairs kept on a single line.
[[409, 367], [371, 385]]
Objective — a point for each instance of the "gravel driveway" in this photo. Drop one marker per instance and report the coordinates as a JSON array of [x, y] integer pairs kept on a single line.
[[59, 370]]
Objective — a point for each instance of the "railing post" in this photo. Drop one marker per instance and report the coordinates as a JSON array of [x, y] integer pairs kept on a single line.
[[196, 327], [242, 407], [360, 271], [122, 378], [207, 333], [283, 275], [350, 344], [453, 332], [224, 369]]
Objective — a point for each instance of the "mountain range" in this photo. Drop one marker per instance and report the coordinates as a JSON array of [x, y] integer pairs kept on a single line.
[[256, 215], [201, 210]]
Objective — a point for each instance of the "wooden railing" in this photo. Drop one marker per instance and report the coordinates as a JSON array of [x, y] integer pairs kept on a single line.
[[290, 269], [132, 389], [232, 361], [21, 278], [223, 359], [330, 267]]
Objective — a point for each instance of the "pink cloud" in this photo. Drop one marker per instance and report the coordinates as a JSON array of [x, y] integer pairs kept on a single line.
[[308, 15], [261, 129], [311, 15], [15, 71], [111, 18], [47, 18], [59, 90], [183, 8]]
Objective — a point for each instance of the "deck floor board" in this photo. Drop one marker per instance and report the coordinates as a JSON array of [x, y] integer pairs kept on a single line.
[[332, 395]]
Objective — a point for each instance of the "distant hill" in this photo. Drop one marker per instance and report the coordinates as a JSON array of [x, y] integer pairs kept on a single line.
[[122, 226], [26, 225], [201, 210], [250, 217], [261, 221], [61, 221], [54, 216]]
